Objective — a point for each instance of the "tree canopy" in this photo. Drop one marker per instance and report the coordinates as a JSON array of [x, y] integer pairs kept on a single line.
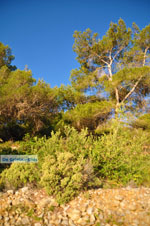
[[114, 72], [117, 64]]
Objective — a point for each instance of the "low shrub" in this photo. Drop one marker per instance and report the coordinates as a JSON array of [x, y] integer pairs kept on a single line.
[[19, 175], [119, 155], [64, 175], [77, 161]]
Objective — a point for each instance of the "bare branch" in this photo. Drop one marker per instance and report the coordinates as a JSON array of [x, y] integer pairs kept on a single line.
[[145, 55], [105, 62], [117, 95], [117, 53], [132, 90]]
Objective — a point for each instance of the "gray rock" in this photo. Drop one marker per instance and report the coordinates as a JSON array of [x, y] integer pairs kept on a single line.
[[46, 221], [37, 224], [25, 221], [7, 224], [46, 201], [82, 221], [71, 223], [119, 197], [29, 203], [25, 189], [100, 216], [41, 215], [132, 207], [10, 192], [65, 222], [90, 210], [6, 219], [92, 218], [75, 215], [1, 194]]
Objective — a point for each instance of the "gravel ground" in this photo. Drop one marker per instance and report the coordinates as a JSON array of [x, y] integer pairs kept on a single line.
[[100, 207]]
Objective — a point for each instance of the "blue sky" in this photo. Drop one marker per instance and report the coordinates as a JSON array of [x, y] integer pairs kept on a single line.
[[40, 32]]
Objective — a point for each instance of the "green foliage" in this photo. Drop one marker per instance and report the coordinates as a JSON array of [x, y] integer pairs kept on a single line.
[[9, 148], [25, 107], [116, 70], [119, 155], [114, 65], [88, 115], [64, 175], [6, 57], [64, 168], [125, 80], [19, 175], [77, 161], [68, 97], [142, 122]]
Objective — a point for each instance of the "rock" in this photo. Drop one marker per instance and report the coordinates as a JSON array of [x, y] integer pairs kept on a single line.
[[100, 216], [46, 221], [57, 221], [120, 203], [116, 203], [10, 192], [65, 222], [41, 215], [25, 189], [71, 223], [37, 224], [47, 201], [6, 219], [15, 202], [81, 221], [6, 214], [29, 203], [85, 218], [123, 204], [131, 207], [49, 215], [119, 197], [1, 194], [7, 224], [90, 210], [9, 202], [75, 215], [92, 219], [25, 221]]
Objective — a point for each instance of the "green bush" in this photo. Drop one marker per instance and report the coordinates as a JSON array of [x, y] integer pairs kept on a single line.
[[119, 155], [64, 175], [142, 122], [77, 161], [19, 175], [6, 149]]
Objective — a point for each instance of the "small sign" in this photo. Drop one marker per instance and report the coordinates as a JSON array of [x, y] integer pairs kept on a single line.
[[18, 158]]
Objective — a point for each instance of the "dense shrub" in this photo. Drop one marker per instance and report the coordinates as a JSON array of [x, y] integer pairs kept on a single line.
[[119, 155], [6, 149], [76, 161], [19, 175], [64, 175]]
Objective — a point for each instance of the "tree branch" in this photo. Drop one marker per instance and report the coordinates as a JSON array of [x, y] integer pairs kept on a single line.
[[145, 55], [132, 90], [105, 62], [117, 96], [117, 53]]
